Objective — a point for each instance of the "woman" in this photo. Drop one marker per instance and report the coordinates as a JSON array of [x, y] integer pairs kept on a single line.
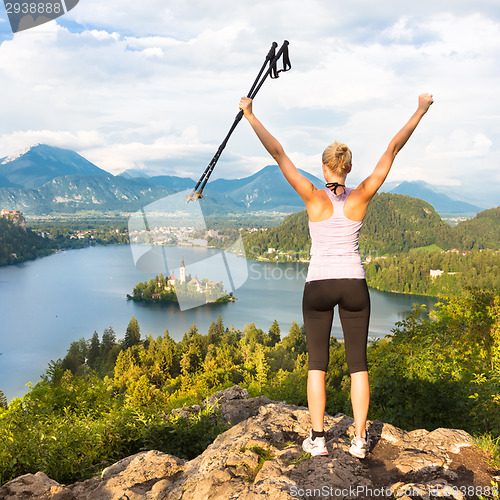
[[336, 275]]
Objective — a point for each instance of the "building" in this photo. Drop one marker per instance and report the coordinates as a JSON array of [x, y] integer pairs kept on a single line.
[[434, 273], [171, 280], [182, 272], [9, 213], [197, 283]]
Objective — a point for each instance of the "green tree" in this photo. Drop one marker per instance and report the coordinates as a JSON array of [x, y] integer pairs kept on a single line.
[[295, 341], [193, 357], [140, 392], [76, 357], [261, 366], [126, 369], [274, 334], [94, 350], [108, 353], [215, 332], [132, 335], [3, 400]]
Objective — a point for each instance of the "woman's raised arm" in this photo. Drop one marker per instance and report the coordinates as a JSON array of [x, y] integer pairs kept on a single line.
[[301, 184], [372, 183]]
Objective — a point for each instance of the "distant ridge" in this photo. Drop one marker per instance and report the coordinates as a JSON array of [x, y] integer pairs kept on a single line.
[[32, 167], [172, 181], [441, 202], [43, 179], [267, 189]]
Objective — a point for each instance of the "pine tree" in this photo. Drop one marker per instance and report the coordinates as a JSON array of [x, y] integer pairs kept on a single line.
[[3, 400], [261, 366], [75, 359], [94, 350], [215, 332], [108, 341], [295, 341], [132, 335], [108, 353], [274, 334], [126, 371]]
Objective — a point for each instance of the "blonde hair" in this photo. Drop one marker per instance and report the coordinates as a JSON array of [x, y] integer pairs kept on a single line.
[[338, 158]]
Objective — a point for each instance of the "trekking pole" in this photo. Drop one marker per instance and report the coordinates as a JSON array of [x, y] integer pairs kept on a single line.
[[272, 59]]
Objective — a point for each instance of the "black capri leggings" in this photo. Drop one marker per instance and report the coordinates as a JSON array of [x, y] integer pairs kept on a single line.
[[353, 299]]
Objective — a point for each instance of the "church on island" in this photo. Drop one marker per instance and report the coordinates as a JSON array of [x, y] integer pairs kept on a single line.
[[172, 281], [163, 289]]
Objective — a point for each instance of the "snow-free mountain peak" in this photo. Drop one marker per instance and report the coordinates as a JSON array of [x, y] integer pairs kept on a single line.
[[34, 166]]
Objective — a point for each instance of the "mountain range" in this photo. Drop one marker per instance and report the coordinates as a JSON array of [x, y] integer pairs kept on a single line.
[[45, 179], [440, 201]]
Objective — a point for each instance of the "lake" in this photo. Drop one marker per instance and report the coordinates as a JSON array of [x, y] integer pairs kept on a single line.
[[50, 302]]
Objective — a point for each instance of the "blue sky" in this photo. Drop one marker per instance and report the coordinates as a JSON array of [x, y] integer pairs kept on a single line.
[[154, 85]]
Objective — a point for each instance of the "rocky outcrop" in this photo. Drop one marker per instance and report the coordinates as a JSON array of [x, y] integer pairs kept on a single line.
[[260, 456]]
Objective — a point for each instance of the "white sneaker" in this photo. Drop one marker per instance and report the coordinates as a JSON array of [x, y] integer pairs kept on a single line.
[[359, 446], [315, 447]]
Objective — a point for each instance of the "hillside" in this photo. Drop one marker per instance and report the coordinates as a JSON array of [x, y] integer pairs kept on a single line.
[[110, 399], [483, 231], [18, 244], [395, 223], [440, 201], [291, 236], [260, 456]]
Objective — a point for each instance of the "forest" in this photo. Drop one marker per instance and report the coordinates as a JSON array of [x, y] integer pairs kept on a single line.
[[109, 398], [394, 224], [19, 243], [401, 241], [411, 272]]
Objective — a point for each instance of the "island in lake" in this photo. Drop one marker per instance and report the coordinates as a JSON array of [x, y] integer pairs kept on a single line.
[[167, 290]]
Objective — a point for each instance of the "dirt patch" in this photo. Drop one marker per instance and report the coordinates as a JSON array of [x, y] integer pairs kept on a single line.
[[469, 470]]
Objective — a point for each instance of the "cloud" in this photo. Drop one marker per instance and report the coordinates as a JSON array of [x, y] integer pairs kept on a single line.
[[59, 138], [156, 86]]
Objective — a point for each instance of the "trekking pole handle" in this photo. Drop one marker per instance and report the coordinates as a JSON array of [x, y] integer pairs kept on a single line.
[[272, 51]]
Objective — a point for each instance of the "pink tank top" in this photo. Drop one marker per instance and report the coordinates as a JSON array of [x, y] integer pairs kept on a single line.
[[335, 250]]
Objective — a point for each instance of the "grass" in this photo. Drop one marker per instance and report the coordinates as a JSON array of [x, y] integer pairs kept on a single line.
[[428, 248], [264, 455], [491, 445], [302, 458]]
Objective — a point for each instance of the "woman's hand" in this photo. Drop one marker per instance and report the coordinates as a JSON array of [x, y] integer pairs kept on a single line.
[[246, 106], [424, 102]]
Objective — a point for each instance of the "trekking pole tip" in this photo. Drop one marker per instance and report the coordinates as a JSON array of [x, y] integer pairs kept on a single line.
[[193, 196]]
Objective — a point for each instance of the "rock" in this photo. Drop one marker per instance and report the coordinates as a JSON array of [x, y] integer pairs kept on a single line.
[[229, 394], [261, 457], [233, 404], [187, 411], [132, 478], [32, 486], [437, 488], [421, 449]]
